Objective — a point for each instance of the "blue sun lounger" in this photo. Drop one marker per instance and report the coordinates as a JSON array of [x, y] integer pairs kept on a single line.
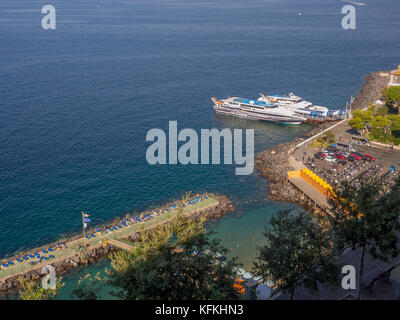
[[25, 258], [137, 219], [51, 256], [115, 228], [50, 249], [124, 224], [10, 263], [119, 226], [44, 251], [19, 260], [93, 235], [4, 265], [37, 254], [31, 255], [45, 258]]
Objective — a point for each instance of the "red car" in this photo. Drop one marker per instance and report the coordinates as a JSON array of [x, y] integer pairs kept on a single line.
[[319, 155], [339, 156], [356, 156], [368, 157]]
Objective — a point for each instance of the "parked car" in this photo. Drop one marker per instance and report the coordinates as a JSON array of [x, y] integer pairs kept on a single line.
[[319, 155], [356, 156], [368, 157], [332, 149], [339, 156], [351, 158], [330, 159]]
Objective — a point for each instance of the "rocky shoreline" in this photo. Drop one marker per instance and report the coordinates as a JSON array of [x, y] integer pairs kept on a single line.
[[99, 251], [371, 89], [273, 164]]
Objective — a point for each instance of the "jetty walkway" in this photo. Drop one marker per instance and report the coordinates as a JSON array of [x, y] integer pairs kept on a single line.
[[29, 263], [316, 196]]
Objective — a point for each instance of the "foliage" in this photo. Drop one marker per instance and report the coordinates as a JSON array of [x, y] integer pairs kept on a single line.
[[366, 218], [177, 261], [88, 288], [379, 124], [326, 139], [33, 290], [392, 95], [297, 253], [357, 123]]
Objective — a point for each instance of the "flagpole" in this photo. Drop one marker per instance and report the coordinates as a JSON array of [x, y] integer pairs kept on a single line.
[[83, 225]]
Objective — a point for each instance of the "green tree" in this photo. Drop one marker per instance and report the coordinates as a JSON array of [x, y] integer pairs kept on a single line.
[[382, 111], [177, 261], [33, 290], [367, 219], [326, 138], [297, 253], [357, 123], [392, 95], [372, 108], [380, 125]]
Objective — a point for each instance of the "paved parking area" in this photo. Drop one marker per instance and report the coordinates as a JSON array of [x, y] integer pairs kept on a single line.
[[334, 173]]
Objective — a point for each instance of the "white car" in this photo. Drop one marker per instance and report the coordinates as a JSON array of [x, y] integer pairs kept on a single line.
[[330, 159]]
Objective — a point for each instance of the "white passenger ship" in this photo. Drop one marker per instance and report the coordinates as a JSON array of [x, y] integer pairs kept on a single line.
[[257, 110], [300, 106]]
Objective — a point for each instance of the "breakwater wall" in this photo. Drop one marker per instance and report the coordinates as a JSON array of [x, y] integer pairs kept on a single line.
[[92, 253]]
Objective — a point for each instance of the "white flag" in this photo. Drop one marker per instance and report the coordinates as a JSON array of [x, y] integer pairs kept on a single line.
[[85, 225]]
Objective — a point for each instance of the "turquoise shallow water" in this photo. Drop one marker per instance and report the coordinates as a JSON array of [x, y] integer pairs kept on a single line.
[[76, 103]]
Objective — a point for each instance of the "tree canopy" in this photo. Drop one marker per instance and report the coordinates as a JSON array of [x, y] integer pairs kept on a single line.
[[366, 217], [377, 123], [33, 290], [392, 95], [178, 261], [297, 253]]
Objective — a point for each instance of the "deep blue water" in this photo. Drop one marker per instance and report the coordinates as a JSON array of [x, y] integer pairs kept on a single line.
[[76, 102]]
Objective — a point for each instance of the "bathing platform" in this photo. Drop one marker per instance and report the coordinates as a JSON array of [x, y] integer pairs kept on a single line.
[[114, 235]]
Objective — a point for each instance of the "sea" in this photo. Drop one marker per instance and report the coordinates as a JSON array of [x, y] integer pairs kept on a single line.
[[76, 103]]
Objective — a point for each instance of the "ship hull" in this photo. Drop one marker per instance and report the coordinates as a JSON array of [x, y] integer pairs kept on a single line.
[[256, 116]]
